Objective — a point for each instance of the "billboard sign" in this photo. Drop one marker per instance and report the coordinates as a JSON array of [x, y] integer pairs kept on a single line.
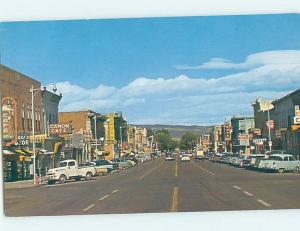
[[58, 129], [9, 121], [111, 126]]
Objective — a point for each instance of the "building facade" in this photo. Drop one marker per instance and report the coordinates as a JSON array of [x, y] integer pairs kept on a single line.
[[286, 135], [241, 125], [50, 103]]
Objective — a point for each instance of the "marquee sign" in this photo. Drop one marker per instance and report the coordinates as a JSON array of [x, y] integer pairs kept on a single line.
[[9, 121]]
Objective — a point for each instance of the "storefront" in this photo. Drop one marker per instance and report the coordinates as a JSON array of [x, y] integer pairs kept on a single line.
[[16, 165]]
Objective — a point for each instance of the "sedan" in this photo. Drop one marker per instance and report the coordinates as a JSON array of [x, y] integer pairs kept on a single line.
[[185, 158]]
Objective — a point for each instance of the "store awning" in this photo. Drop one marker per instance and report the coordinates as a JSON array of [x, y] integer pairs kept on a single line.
[[19, 151], [45, 152], [28, 151], [8, 152]]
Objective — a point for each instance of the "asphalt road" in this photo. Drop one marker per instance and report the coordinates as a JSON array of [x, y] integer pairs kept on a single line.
[[160, 186]]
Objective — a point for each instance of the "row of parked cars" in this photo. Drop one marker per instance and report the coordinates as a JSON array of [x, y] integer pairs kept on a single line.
[[275, 161], [71, 170]]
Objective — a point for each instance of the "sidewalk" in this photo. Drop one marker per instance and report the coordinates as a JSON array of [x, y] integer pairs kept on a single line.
[[23, 184]]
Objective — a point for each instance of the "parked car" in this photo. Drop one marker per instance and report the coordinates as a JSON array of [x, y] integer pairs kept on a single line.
[[216, 157], [244, 161], [104, 166], [225, 157], [253, 161], [233, 159], [280, 163], [68, 170], [121, 163]]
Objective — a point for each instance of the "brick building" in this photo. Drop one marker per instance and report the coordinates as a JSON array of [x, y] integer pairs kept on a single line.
[[17, 122], [17, 86]]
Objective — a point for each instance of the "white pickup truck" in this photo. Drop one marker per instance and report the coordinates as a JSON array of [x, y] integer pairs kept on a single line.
[[69, 169]]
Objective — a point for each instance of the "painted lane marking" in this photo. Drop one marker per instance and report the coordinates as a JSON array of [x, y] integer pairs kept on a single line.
[[175, 200], [104, 197], [236, 187], [264, 203], [203, 169], [248, 194], [176, 169], [115, 191], [140, 178], [89, 207]]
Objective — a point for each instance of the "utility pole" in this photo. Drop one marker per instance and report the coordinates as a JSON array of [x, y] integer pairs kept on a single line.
[[95, 121], [224, 130], [33, 133], [269, 131], [121, 141]]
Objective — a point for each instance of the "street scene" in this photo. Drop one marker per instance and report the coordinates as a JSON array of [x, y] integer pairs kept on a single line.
[[120, 116]]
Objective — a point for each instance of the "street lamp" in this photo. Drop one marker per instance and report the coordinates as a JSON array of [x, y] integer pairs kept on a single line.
[[32, 90]]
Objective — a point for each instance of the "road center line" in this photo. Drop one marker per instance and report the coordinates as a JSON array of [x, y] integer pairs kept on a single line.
[[203, 169], [89, 207], [104, 197], [115, 191], [248, 194], [264, 203], [176, 168], [175, 200], [236, 187]]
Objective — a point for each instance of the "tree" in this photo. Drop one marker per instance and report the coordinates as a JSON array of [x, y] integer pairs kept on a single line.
[[165, 140], [188, 141], [149, 132]]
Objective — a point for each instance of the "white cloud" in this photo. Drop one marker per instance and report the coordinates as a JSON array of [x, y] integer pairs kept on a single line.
[[184, 100], [281, 57]]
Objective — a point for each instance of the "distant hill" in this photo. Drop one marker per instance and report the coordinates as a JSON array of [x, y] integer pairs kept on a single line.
[[176, 131]]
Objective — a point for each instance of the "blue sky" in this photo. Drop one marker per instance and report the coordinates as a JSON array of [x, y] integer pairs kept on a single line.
[[185, 70]]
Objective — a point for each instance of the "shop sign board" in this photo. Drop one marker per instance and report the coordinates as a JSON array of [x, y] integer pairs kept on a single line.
[[23, 140], [297, 120], [259, 141], [9, 121], [111, 126], [243, 137], [59, 129]]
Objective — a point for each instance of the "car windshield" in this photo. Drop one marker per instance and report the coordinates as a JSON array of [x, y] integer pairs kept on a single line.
[[62, 164]]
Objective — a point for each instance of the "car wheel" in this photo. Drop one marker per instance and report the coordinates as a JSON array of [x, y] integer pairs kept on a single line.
[[296, 170], [62, 179], [88, 176], [281, 170]]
